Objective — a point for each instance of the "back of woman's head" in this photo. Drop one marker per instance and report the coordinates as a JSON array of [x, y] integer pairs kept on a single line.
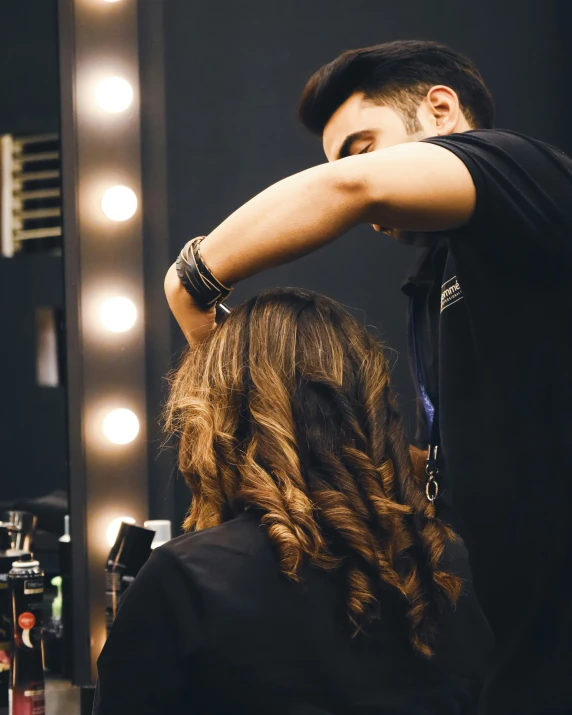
[[287, 408]]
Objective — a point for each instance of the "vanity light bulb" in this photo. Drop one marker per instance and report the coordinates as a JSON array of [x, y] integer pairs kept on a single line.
[[114, 526], [118, 314], [119, 203], [114, 94], [121, 426]]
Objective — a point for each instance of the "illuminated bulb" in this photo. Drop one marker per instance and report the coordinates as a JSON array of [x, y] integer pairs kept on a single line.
[[121, 426], [118, 314], [111, 0], [119, 203], [115, 525], [114, 94]]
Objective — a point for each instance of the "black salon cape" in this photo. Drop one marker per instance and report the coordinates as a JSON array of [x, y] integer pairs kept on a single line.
[[210, 625], [493, 319]]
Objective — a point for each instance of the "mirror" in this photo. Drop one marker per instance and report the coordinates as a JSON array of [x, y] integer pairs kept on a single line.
[[33, 391]]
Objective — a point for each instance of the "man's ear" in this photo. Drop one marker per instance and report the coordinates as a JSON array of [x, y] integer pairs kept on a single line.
[[442, 103]]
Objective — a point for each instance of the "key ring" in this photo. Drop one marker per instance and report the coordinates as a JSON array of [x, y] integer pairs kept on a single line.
[[432, 471], [432, 488]]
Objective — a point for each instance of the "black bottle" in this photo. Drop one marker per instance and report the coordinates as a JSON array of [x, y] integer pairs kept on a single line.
[[131, 549], [27, 689]]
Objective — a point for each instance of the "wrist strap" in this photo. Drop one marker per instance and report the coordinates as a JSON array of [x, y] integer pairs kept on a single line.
[[197, 279]]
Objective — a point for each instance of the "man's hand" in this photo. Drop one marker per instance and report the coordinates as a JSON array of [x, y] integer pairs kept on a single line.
[[195, 323]]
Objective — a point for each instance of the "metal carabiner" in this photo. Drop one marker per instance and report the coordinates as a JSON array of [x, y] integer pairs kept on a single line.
[[432, 471], [432, 489]]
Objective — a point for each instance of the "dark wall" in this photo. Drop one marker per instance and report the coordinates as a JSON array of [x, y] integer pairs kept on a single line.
[[158, 320], [33, 422], [32, 418], [29, 84], [234, 72]]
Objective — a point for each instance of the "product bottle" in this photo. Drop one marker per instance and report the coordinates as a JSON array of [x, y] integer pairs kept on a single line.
[[53, 633], [24, 523], [67, 624], [128, 554], [7, 558], [27, 690]]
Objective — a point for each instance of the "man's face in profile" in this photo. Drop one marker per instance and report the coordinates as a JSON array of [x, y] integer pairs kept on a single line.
[[361, 126]]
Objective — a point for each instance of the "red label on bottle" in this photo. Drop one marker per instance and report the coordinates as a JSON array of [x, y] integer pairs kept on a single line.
[[26, 620], [27, 702]]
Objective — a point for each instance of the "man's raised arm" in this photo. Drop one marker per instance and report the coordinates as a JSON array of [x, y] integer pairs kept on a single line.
[[416, 186]]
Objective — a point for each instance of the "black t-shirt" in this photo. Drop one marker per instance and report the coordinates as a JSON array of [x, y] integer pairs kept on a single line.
[[211, 625], [493, 320]]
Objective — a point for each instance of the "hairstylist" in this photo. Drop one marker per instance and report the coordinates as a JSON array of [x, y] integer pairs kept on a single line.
[[407, 130]]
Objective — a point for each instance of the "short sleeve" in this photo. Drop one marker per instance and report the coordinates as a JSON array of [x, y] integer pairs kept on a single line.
[[143, 667], [524, 188]]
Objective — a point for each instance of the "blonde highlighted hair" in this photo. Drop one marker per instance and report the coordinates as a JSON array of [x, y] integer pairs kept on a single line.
[[287, 408]]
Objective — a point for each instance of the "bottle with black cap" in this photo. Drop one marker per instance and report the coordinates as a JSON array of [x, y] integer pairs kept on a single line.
[[65, 563], [27, 689], [130, 551], [7, 557]]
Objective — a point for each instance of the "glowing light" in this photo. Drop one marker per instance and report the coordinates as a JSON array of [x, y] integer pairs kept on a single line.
[[121, 426], [115, 525], [114, 94], [118, 314], [111, 0], [119, 203]]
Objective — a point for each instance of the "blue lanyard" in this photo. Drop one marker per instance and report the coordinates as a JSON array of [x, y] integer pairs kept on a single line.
[[428, 406], [432, 415]]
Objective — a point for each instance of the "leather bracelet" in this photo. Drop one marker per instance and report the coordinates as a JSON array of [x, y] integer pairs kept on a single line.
[[197, 279], [204, 271]]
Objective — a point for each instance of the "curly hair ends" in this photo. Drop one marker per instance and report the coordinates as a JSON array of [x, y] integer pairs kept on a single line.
[[287, 408]]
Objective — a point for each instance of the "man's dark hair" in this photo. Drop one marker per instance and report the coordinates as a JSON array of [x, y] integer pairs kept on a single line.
[[398, 74]]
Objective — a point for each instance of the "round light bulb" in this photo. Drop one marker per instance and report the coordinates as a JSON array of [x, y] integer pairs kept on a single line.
[[121, 426], [114, 94], [114, 526], [119, 203], [118, 314]]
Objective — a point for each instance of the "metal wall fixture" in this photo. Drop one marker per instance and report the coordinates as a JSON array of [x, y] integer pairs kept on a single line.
[[30, 193]]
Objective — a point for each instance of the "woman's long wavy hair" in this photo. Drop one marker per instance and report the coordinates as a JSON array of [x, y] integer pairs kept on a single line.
[[287, 407]]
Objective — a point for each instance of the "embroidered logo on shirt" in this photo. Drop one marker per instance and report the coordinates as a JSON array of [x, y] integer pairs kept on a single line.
[[450, 293]]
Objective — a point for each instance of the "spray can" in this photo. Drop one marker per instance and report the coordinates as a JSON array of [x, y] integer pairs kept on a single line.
[[27, 689]]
